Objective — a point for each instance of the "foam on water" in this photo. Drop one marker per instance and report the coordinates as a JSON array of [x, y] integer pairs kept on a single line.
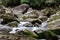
[[14, 30], [21, 24], [22, 27], [44, 26]]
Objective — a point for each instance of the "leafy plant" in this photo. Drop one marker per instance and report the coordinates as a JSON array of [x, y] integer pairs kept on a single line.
[[34, 3], [39, 4], [10, 2]]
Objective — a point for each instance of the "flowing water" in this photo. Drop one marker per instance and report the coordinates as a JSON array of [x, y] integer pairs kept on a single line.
[[22, 27]]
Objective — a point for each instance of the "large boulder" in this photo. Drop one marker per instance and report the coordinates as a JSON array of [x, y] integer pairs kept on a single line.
[[48, 12], [32, 14], [20, 10], [54, 24], [54, 21], [7, 15]]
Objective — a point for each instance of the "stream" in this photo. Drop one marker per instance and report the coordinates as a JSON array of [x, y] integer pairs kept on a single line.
[[22, 27]]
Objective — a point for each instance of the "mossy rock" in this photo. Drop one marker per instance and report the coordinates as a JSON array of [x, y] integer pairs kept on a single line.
[[42, 18], [48, 12], [56, 31], [16, 37], [24, 17], [13, 24], [49, 34], [30, 33], [55, 16], [8, 17]]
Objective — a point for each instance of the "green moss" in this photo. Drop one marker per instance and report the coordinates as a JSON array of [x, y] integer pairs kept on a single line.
[[24, 17], [30, 33], [56, 31], [49, 34]]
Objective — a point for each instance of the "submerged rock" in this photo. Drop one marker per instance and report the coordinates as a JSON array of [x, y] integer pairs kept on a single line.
[[4, 29]]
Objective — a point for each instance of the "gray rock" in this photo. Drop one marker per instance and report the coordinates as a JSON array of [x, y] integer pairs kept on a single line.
[[21, 9], [4, 29]]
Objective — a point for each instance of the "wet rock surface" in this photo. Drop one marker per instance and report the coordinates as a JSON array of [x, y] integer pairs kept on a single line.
[[24, 23], [54, 21], [12, 24], [8, 17], [54, 24], [48, 11]]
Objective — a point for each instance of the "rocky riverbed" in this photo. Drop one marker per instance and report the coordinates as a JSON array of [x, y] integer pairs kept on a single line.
[[24, 23]]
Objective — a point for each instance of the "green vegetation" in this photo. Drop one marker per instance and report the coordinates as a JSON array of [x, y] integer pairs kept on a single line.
[[10, 2], [39, 4]]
